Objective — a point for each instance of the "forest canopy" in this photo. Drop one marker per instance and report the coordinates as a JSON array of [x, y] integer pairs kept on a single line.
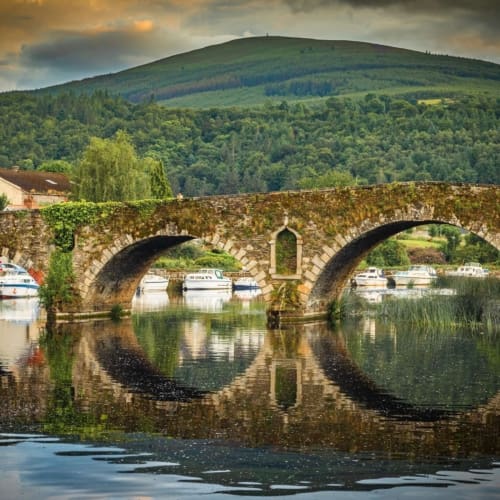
[[282, 146]]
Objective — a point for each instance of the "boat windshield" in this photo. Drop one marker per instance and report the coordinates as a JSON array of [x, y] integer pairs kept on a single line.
[[218, 273]]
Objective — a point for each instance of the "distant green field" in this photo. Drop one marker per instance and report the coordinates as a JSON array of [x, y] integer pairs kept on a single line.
[[252, 71], [419, 243]]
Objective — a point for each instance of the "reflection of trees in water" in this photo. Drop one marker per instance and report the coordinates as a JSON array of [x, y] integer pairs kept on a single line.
[[201, 350], [283, 398], [452, 369]]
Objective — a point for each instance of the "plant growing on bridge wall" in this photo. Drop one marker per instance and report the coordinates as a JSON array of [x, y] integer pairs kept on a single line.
[[58, 290], [65, 218], [286, 296]]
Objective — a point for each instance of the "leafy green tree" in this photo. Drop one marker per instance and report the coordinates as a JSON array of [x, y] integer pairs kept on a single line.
[[160, 187], [332, 178], [110, 171], [388, 253], [58, 166], [4, 201], [453, 237], [477, 250]]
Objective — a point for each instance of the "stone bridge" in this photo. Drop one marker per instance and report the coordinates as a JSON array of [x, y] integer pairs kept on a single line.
[[300, 246]]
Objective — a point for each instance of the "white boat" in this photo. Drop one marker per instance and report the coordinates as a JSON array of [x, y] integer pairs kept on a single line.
[[207, 279], [417, 275], [16, 282], [470, 270], [153, 283], [245, 283], [373, 276]]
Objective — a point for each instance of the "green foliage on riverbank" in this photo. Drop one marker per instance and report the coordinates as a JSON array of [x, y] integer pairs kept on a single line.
[[192, 256], [57, 290], [474, 303]]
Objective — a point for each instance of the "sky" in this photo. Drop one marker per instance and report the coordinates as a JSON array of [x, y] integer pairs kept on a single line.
[[45, 42]]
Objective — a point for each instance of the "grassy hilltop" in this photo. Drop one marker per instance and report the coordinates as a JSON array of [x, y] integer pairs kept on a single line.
[[251, 71]]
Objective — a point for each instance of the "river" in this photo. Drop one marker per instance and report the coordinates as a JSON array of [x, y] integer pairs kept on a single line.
[[193, 396]]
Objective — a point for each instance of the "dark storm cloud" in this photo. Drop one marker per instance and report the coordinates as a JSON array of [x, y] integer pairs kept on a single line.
[[44, 42], [478, 19], [79, 55], [486, 6]]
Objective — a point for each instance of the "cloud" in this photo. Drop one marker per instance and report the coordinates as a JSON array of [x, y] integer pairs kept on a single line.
[[45, 42], [67, 55]]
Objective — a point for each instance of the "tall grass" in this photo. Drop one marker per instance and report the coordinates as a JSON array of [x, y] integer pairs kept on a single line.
[[475, 304]]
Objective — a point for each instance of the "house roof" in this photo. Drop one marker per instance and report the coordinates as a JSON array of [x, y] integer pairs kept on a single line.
[[38, 182]]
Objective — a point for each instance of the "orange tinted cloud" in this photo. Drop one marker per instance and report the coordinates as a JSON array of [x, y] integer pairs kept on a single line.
[[49, 41], [144, 25]]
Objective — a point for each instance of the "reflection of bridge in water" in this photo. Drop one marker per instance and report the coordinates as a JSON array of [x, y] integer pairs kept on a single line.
[[301, 389]]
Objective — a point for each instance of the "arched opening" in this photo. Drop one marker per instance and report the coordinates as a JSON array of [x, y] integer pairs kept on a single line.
[[286, 252], [116, 282], [337, 271]]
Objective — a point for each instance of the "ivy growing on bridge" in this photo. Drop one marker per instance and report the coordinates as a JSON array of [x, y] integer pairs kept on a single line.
[[65, 218]]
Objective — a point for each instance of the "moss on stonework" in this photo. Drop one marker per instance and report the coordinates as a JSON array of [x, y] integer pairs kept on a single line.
[[286, 297]]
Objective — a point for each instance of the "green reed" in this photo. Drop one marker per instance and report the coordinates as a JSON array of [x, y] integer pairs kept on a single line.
[[475, 303]]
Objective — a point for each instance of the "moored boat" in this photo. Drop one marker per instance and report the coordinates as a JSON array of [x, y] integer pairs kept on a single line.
[[153, 283], [16, 282], [207, 279], [245, 283], [373, 276], [470, 270], [416, 275]]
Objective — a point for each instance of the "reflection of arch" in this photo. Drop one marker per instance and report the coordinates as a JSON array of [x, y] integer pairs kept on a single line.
[[340, 369], [141, 376], [274, 269], [245, 410]]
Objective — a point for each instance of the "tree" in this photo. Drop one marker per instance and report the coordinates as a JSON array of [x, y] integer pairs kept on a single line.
[[477, 250], [110, 171], [453, 237], [4, 201], [332, 178], [388, 253], [58, 166], [160, 187]]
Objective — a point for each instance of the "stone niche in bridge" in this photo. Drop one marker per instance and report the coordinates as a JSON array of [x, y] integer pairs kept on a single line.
[[285, 253]]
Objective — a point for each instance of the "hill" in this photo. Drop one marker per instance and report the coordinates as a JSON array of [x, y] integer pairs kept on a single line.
[[251, 71]]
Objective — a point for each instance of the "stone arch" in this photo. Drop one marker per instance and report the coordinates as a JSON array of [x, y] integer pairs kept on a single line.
[[113, 276], [273, 243], [328, 274]]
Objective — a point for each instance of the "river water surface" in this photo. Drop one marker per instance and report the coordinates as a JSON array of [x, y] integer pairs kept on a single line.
[[193, 396]]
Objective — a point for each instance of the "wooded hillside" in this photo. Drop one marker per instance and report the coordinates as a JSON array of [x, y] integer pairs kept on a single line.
[[251, 71], [273, 147]]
